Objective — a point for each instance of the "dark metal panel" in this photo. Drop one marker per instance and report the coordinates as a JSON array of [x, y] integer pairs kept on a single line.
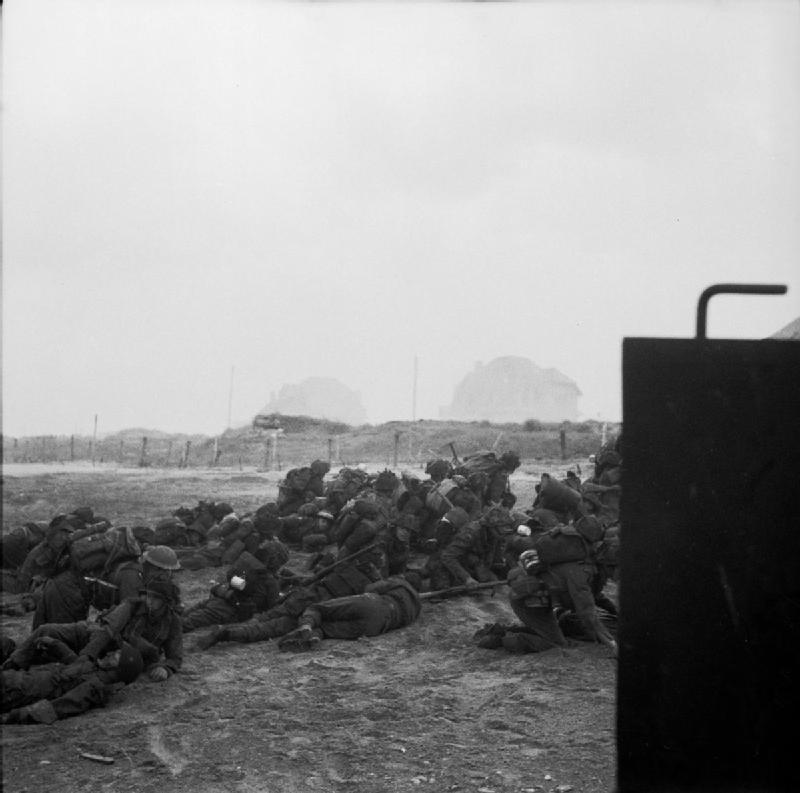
[[709, 664]]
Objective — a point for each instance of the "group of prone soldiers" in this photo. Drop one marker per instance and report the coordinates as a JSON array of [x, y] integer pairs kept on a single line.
[[360, 531]]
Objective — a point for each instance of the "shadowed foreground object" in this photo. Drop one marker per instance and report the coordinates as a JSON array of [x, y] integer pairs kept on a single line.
[[709, 632]]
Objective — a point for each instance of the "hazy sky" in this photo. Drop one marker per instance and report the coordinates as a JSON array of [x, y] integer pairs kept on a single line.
[[330, 189]]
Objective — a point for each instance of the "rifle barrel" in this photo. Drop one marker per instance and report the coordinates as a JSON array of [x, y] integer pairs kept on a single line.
[[457, 590]]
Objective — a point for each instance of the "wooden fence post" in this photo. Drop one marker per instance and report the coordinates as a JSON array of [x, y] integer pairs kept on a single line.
[[562, 434], [72, 448], [186, 454], [94, 438], [396, 447], [143, 456]]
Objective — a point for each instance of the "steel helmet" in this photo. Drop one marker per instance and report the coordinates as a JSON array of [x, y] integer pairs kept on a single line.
[[161, 556]]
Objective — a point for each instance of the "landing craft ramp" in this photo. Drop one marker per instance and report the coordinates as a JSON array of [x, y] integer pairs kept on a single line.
[[709, 661]]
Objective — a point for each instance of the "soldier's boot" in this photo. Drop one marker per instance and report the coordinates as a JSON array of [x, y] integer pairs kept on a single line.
[[490, 636], [300, 639], [218, 634]]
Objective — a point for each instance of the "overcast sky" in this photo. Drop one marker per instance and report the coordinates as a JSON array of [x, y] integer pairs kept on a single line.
[[331, 189]]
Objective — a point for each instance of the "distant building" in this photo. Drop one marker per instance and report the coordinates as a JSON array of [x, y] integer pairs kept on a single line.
[[318, 397], [513, 389]]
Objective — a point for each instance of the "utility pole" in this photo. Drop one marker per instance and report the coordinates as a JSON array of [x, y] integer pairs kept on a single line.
[[94, 438], [414, 393], [230, 399]]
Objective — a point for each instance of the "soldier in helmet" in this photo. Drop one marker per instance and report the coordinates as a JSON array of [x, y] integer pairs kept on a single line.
[[157, 563], [384, 606], [149, 622], [251, 586], [350, 576], [499, 479], [475, 549], [58, 690], [535, 590], [60, 593]]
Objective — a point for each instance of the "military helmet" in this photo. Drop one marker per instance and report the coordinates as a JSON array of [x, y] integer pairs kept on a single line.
[[161, 556]]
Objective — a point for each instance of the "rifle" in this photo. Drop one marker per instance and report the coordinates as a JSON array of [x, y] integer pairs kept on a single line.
[[458, 590], [99, 581], [453, 450], [325, 570]]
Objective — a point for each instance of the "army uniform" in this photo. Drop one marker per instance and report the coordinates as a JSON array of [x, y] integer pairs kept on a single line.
[[350, 578], [152, 634], [384, 606], [251, 587], [475, 549]]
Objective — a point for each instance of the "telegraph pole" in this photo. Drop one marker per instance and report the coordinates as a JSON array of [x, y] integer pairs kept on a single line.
[[230, 399], [414, 393], [94, 438]]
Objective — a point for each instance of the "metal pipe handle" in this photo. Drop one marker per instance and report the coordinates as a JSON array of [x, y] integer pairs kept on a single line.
[[736, 289]]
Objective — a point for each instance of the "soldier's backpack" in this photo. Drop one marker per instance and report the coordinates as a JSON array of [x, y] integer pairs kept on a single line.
[[479, 463], [298, 479], [246, 564], [94, 553], [590, 528], [170, 531], [89, 554], [557, 496], [561, 544], [273, 554], [437, 500], [348, 482]]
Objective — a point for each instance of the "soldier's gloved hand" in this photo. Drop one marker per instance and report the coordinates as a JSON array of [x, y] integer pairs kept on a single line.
[[28, 602], [158, 674]]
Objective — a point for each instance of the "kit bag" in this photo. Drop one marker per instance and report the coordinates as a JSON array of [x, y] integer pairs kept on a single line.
[[436, 500], [561, 544]]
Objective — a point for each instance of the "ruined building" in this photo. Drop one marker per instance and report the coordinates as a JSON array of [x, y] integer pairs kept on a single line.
[[319, 397], [513, 389]]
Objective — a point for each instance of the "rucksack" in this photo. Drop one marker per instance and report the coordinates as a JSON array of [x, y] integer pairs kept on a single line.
[[298, 479], [97, 551], [246, 564], [561, 544], [590, 528], [557, 496], [89, 554], [170, 531], [273, 554], [480, 462], [349, 482], [437, 500]]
